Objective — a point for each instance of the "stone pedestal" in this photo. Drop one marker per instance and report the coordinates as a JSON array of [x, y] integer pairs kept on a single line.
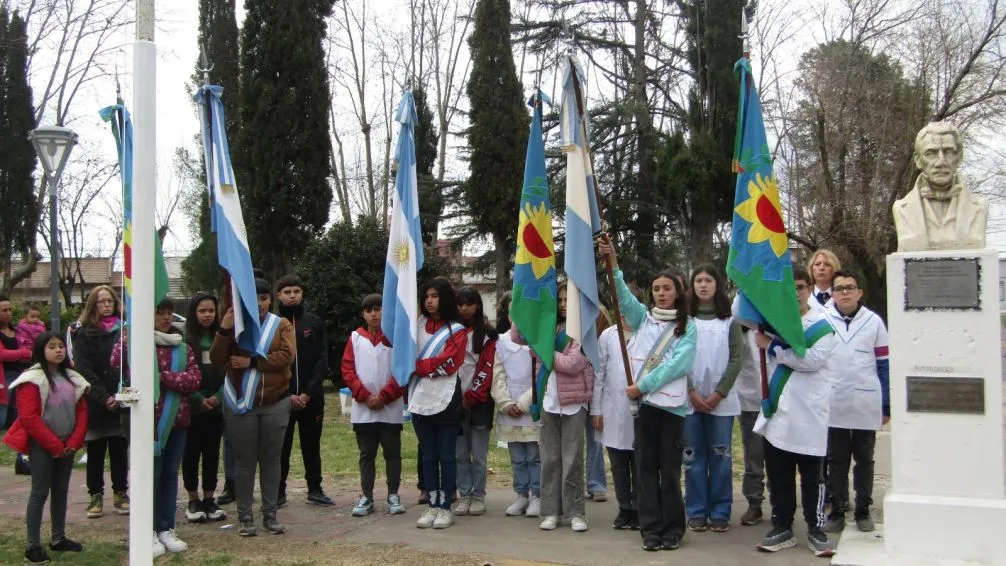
[[947, 498]]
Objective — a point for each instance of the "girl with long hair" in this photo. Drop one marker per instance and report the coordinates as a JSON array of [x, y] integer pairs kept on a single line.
[[665, 338], [476, 375]]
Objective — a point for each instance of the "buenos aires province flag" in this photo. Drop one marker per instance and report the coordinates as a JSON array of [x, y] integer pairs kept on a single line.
[[400, 302], [227, 220]]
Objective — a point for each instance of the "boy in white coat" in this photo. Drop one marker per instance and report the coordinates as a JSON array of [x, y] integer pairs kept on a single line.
[[860, 400], [612, 418], [794, 425]]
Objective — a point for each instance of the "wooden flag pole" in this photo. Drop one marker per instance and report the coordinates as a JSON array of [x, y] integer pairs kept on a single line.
[[609, 261]]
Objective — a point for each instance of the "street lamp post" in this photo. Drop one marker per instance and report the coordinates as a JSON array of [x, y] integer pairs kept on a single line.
[[53, 146]]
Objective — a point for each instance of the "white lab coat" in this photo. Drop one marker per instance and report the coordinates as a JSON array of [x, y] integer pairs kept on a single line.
[[712, 355], [800, 424], [373, 368], [610, 400], [856, 391], [748, 384]]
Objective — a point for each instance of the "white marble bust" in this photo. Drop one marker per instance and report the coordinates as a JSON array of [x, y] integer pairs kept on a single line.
[[939, 213]]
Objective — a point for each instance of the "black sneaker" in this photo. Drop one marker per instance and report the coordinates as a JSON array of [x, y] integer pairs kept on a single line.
[[835, 523], [651, 544], [777, 539], [66, 545], [622, 519], [819, 543], [248, 529], [227, 496], [194, 511], [318, 497], [35, 555], [281, 501], [634, 520], [670, 542], [272, 527], [213, 511], [23, 468]]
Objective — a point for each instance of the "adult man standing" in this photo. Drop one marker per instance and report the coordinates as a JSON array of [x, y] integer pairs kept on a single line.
[[860, 400], [307, 399]]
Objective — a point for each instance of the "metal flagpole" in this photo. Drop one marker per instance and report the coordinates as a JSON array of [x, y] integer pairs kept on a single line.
[[140, 394]]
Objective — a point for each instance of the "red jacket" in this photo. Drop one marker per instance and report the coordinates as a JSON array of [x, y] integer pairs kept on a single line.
[[389, 393], [19, 355], [29, 427]]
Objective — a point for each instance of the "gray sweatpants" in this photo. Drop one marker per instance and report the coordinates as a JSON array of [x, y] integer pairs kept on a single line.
[[48, 474], [257, 439], [753, 486], [561, 443]]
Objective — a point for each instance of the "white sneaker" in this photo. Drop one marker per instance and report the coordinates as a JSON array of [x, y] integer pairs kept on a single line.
[[518, 507], [533, 507], [171, 542], [579, 524], [464, 506], [159, 549], [444, 519], [477, 506], [549, 523], [426, 520]]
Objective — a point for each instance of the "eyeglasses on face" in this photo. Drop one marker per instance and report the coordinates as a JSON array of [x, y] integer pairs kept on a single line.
[[846, 289], [802, 287]]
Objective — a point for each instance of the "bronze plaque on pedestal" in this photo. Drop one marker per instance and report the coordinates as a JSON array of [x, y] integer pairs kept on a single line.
[[942, 283], [964, 395]]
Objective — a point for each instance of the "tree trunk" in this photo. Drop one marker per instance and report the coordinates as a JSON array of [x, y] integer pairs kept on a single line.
[[502, 265]]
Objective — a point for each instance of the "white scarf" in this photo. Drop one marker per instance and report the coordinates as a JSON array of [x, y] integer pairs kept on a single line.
[[167, 339], [664, 315]]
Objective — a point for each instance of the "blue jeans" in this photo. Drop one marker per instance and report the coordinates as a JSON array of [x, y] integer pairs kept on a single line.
[[708, 470], [472, 457], [526, 463], [438, 441], [166, 480], [597, 481]]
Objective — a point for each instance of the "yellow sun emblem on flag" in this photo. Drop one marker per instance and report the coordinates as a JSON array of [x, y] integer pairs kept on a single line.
[[401, 254], [763, 211], [534, 239]]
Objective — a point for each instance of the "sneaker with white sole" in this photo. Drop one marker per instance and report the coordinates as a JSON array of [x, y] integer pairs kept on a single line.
[[549, 523], [518, 507], [533, 507], [212, 510], [579, 524], [464, 506], [194, 512], [426, 520], [476, 506], [819, 543], [444, 519], [159, 549], [777, 539], [395, 506], [364, 507], [171, 541]]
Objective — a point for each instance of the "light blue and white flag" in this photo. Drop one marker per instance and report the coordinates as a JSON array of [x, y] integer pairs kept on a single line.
[[583, 222], [227, 221], [400, 303]]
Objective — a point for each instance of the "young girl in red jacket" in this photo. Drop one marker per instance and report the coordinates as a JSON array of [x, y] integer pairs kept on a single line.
[[50, 428]]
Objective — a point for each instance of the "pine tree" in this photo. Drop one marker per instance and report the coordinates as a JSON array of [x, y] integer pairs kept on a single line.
[[698, 182], [431, 197], [284, 142], [17, 156], [497, 136], [218, 34]]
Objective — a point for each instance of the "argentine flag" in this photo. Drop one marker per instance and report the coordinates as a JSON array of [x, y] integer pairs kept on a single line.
[[583, 222], [400, 302], [227, 222]]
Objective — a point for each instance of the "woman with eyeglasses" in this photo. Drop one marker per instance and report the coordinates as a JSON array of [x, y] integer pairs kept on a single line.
[[100, 325]]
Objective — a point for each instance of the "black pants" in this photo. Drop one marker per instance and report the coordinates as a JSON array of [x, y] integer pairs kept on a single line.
[[203, 441], [624, 474], [658, 446], [844, 445], [308, 421], [117, 448], [48, 474], [420, 484], [781, 467], [389, 437]]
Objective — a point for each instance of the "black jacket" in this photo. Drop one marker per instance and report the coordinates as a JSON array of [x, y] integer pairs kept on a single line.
[[310, 367], [92, 350]]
